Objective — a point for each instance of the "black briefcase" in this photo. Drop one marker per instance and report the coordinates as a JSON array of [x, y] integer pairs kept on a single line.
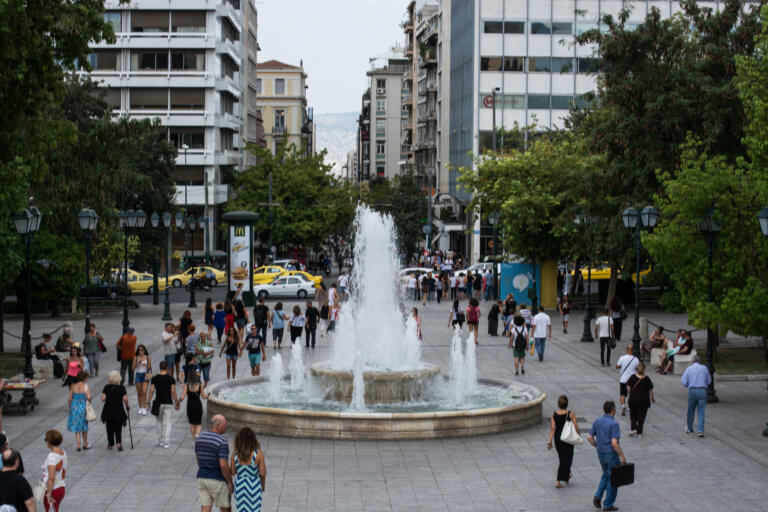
[[623, 474]]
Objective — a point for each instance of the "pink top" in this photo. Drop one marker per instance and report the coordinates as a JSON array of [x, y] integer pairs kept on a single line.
[[72, 368]]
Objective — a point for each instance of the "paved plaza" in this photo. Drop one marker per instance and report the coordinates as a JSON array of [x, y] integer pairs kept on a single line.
[[725, 471]]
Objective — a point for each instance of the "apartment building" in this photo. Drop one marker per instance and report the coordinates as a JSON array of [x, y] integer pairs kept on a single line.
[[253, 126], [282, 102], [180, 62]]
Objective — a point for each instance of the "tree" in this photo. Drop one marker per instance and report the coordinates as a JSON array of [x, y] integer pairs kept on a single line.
[[311, 203], [405, 200]]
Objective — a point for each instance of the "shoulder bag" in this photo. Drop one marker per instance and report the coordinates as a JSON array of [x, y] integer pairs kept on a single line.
[[39, 491], [569, 434], [90, 413]]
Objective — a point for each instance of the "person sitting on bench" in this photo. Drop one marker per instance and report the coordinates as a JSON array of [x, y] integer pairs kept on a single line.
[[684, 345], [42, 351]]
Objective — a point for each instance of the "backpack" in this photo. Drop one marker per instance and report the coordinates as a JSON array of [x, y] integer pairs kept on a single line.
[[58, 370], [472, 314], [520, 341], [259, 317]]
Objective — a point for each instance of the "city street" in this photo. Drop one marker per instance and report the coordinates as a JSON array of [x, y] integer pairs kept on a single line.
[[511, 471]]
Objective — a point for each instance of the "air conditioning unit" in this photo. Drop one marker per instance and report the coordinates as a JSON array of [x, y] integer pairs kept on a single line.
[[381, 90]]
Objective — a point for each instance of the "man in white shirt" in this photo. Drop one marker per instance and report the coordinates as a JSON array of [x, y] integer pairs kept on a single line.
[[412, 287], [628, 364], [343, 283], [604, 332], [542, 329]]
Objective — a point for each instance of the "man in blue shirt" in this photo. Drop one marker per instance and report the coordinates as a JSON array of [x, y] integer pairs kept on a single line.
[[696, 378], [604, 436], [214, 481]]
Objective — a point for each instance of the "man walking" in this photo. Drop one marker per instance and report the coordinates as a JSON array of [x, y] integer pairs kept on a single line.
[[696, 378], [604, 332], [214, 481], [628, 364], [14, 488], [564, 307], [126, 345], [165, 386], [261, 318], [604, 436], [313, 315], [343, 284], [542, 329], [256, 350]]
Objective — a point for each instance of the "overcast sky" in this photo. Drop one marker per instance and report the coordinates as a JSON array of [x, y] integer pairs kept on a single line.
[[335, 38]]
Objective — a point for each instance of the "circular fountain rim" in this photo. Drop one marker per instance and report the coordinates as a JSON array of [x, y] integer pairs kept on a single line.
[[324, 369], [538, 398]]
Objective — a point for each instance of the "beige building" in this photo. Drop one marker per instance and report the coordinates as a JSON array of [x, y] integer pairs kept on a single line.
[[282, 102]]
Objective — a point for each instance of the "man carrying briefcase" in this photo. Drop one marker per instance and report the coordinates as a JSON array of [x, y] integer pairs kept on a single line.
[[604, 436]]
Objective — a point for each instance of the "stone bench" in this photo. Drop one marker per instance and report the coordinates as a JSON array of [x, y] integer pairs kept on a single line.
[[683, 361], [43, 368], [656, 354]]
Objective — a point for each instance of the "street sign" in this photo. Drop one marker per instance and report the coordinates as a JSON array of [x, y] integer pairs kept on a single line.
[[488, 101], [426, 229], [490, 244]]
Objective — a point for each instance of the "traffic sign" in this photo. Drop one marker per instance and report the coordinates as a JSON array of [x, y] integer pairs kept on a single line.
[[488, 101]]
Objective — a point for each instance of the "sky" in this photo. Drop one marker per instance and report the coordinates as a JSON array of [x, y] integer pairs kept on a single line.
[[335, 39]]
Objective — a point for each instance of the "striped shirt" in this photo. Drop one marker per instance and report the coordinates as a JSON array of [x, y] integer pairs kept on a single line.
[[210, 448], [191, 343]]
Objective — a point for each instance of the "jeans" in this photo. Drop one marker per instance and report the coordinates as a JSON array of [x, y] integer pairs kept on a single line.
[[261, 330], [539, 343], [93, 363], [605, 351], [163, 423], [126, 365], [607, 461], [205, 369], [310, 332], [697, 401]]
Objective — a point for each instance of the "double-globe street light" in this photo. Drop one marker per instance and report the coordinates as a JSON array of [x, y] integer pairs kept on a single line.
[[88, 219], [167, 221], [27, 223], [127, 220], [709, 227], [636, 221], [191, 225], [586, 336]]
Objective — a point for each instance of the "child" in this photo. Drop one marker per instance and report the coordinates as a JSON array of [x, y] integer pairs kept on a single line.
[[334, 317]]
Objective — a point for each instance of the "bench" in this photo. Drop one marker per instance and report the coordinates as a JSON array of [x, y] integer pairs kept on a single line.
[[656, 354], [682, 361], [43, 368]]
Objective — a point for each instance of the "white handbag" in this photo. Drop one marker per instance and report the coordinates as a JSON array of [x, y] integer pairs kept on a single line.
[[569, 434], [39, 491]]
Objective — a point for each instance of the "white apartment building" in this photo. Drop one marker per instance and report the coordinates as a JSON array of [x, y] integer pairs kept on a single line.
[[180, 62]]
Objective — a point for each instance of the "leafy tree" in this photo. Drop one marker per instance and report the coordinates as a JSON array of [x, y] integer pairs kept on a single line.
[[405, 200], [311, 202]]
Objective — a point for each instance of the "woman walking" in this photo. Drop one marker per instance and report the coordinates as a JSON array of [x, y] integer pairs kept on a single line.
[[232, 348], [75, 365], [617, 314], [92, 349], [415, 313], [468, 282], [194, 393], [564, 450], [277, 318], [54, 470], [493, 319], [510, 308], [183, 329], [219, 322], [208, 315], [77, 422], [297, 323], [249, 470], [241, 318], [473, 316], [113, 415], [229, 315], [640, 397], [142, 364], [456, 317]]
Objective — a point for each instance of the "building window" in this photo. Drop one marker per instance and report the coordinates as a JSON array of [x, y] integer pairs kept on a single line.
[[192, 137], [490, 63], [192, 175], [381, 147], [228, 67], [258, 86], [113, 98], [114, 18], [381, 127], [514, 27], [279, 85], [190, 60], [562, 28], [538, 27], [381, 105], [149, 60], [104, 60], [381, 85], [149, 99], [514, 63], [562, 65], [493, 27], [380, 170], [561, 102], [540, 64], [538, 101], [587, 66], [226, 139], [227, 103], [188, 21], [279, 121], [187, 99], [149, 21]]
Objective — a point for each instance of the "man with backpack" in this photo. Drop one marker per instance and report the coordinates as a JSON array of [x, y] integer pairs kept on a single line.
[[518, 342], [260, 318]]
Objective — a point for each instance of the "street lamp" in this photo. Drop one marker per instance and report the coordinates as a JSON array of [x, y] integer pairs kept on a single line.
[[27, 223], [709, 227], [129, 219], [166, 220], [185, 147], [495, 90], [636, 221], [87, 219], [586, 336], [762, 218], [493, 219], [191, 226]]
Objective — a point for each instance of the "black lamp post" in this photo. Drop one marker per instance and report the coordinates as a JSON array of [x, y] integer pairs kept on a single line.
[[191, 227], [492, 219], [87, 219], [586, 336], [128, 219], [493, 138], [166, 220], [27, 223], [636, 221], [762, 217], [709, 227]]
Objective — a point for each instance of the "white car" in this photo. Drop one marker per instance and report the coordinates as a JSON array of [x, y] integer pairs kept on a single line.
[[485, 267], [286, 286]]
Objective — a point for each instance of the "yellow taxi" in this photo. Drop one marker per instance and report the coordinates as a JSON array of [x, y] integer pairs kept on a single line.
[[309, 277], [268, 273], [118, 273], [179, 280], [144, 283], [604, 272]]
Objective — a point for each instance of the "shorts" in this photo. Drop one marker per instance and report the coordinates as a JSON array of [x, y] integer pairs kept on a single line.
[[139, 377], [566, 316], [622, 389], [213, 493], [232, 357], [170, 359], [240, 322], [519, 354], [254, 359], [177, 357]]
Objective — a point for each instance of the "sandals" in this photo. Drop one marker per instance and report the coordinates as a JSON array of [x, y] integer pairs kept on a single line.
[[78, 448], [87, 447]]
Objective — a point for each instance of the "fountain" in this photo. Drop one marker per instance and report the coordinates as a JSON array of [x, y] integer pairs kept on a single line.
[[375, 386]]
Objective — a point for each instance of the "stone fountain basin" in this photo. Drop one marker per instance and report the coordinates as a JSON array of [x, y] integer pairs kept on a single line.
[[378, 425]]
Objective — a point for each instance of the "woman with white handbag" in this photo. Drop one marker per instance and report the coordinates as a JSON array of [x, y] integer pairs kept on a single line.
[[565, 431]]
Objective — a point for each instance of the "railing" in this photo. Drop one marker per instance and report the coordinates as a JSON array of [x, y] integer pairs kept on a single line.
[[278, 129]]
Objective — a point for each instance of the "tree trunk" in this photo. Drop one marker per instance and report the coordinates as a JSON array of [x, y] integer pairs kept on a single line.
[[611, 286], [2, 323], [765, 348], [576, 278]]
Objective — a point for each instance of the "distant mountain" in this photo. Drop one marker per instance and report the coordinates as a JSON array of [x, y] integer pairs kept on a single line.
[[336, 133]]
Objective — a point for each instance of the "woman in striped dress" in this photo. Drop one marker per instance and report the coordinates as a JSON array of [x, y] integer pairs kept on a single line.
[[247, 466]]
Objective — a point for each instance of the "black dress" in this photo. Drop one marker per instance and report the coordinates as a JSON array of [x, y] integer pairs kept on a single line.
[[564, 450], [113, 410], [493, 320], [194, 407]]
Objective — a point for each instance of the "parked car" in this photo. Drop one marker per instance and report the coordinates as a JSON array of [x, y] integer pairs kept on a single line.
[[485, 267], [267, 274], [309, 277], [144, 283], [214, 275], [604, 272], [296, 264], [286, 286], [117, 273]]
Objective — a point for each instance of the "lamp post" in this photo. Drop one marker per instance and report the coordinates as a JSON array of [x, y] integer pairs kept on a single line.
[[27, 223], [493, 138], [185, 147], [710, 228], [87, 219], [586, 336], [636, 221], [191, 227], [127, 220], [762, 218], [166, 220], [492, 219]]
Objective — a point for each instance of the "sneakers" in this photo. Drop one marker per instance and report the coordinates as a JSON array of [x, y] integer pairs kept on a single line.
[[689, 432], [701, 434], [516, 374], [160, 443], [632, 432], [596, 502]]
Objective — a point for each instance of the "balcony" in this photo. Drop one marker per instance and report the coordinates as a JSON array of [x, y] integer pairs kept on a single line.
[[230, 84], [381, 157], [278, 129], [231, 49], [225, 10], [217, 194]]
